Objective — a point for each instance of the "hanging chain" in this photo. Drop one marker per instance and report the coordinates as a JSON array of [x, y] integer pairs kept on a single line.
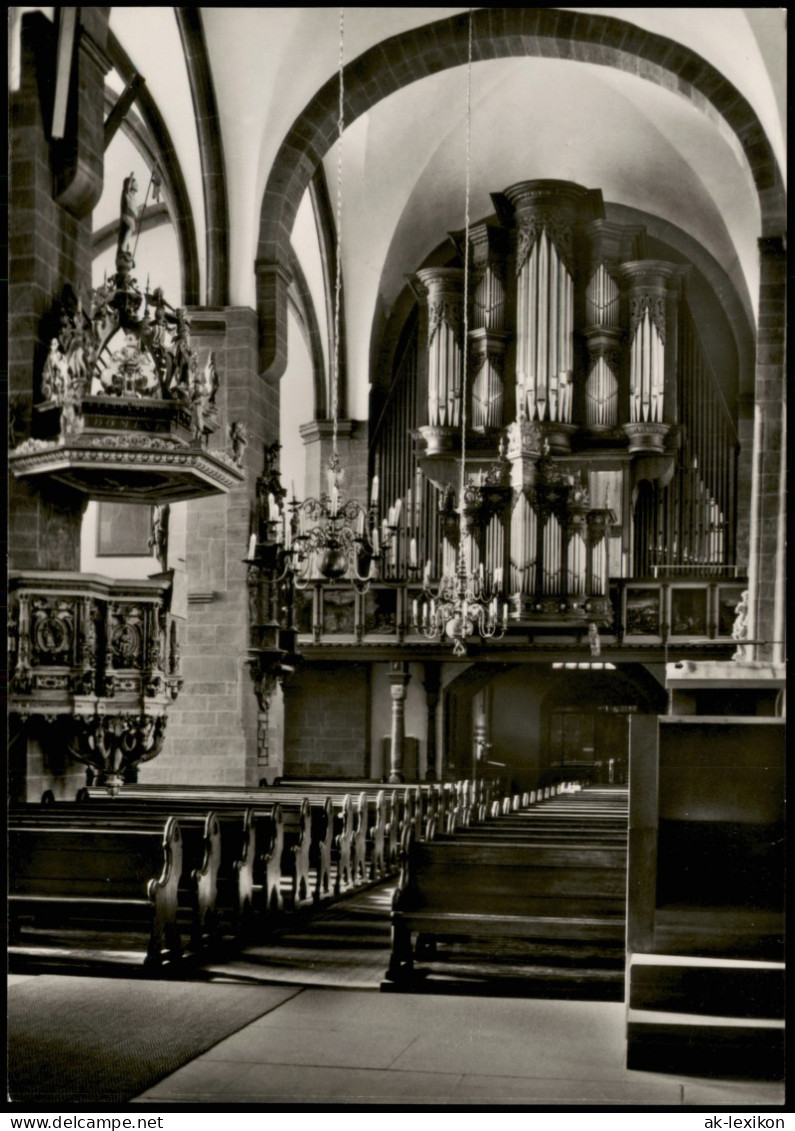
[[338, 281], [462, 520]]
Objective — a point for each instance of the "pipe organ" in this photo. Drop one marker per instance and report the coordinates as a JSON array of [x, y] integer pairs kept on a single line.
[[599, 446]]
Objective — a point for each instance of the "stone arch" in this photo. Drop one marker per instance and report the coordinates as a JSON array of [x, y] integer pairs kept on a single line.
[[211, 153], [168, 163], [497, 33]]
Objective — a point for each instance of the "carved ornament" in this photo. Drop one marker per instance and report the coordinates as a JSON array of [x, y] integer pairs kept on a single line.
[[559, 231], [444, 313], [655, 305]]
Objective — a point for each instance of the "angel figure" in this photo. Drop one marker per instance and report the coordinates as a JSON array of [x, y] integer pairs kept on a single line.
[[239, 437], [53, 375]]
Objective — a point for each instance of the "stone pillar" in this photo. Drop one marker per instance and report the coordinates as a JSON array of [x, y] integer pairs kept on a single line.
[[767, 552], [398, 679], [433, 685], [54, 184], [352, 450]]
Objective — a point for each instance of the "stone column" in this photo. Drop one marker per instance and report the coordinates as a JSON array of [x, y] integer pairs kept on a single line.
[[767, 551], [317, 436], [432, 684], [398, 679], [54, 184]]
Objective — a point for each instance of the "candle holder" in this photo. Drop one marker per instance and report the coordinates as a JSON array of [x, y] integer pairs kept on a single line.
[[329, 538], [463, 603]]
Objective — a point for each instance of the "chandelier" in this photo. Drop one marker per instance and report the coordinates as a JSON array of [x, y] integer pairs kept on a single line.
[[334, 538], [467, 599]]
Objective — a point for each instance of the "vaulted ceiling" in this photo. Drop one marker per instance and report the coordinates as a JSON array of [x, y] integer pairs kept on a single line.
[[654, 150]]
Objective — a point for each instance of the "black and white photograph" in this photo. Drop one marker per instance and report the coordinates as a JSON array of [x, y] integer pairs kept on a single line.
[[396, 562]]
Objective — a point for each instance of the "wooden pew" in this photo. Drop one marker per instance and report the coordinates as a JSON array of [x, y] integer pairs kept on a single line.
[[305, 857], [201, 852], [247, 880], [98, 881], [453, 889]]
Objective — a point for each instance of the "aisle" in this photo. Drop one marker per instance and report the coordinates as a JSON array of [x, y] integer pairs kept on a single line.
[[346, 945]]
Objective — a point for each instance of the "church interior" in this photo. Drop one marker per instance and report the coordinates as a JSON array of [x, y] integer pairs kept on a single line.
[[396, 546]]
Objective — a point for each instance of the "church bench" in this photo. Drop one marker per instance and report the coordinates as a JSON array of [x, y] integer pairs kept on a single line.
[[98, 882], [305, 847], [247, 882], [452, 889], [201, 852], [363, 828]]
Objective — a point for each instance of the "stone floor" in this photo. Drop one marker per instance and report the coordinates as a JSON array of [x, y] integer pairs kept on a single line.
[[359, 1048]]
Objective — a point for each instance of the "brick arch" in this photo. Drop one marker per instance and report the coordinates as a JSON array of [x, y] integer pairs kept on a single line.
[[497, 33]]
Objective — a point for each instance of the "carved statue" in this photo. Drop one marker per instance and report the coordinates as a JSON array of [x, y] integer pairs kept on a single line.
[[239, 438], [158, 539], [270, 480], [740, 626], [161, 334], [211, 379], [17, 414], [53, 375], [181, 377], [203, 391], [594, 640], [127, 223]]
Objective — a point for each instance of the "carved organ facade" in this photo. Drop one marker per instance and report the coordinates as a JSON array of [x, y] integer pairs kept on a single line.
[[599, 447]]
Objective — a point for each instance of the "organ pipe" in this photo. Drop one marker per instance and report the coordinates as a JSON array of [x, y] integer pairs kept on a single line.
[[529, 325], [545, 333], [601, 395]]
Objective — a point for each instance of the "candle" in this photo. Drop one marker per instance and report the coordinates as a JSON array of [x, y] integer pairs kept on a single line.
[[360, 524], [398, 506], [414, 612], [498, 577], [376, 546], [252, 546], [334, 499], [504, 616], [426, 577], [413, 553], [374, 492], [288, 532]]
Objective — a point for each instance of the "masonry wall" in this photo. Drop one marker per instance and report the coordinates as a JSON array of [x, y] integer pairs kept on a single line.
[[326, 721], [212, 727], [49, 246]]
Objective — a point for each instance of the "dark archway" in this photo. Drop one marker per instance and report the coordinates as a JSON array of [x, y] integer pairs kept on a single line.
[[522, 700]]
